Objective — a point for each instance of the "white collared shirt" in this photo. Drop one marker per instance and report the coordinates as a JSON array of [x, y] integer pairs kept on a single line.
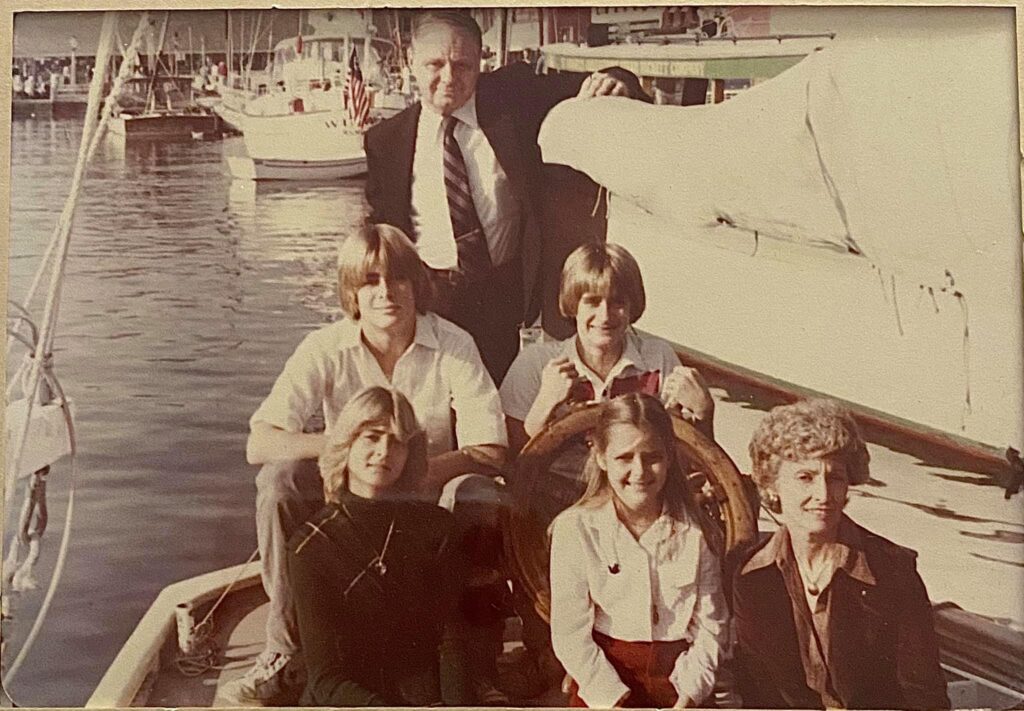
[[667, 587], [440, 372], [641, 353], [495, 203]]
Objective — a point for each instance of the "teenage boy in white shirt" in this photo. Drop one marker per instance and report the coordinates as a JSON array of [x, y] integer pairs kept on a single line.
[[391, 339]]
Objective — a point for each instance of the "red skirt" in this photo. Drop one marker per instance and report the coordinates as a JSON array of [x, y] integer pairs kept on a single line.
[[644, 667]]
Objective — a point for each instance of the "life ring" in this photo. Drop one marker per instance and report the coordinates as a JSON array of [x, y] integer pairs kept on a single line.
[[717, 489]]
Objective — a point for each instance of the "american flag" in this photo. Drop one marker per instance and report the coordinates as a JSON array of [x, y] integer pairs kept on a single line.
[[356, 100]]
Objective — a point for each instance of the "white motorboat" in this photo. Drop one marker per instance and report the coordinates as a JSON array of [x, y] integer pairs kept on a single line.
[[295, 122], [308, 137], [302, 129]]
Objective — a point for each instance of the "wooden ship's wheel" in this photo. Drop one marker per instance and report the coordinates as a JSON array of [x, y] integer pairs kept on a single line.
[[716, 488]]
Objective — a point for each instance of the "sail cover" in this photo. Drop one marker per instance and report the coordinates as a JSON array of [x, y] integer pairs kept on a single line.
[[858, 194]]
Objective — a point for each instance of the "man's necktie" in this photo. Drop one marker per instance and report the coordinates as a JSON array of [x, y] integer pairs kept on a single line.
[[474, 258]]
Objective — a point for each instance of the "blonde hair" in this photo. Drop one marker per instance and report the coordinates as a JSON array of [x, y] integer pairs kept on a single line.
[[384, 249], [373, 407], [808, 429], [649, 415], [607, 269]]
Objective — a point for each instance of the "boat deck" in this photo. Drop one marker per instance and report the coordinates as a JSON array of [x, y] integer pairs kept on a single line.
[[239, 628], [967, 535], [239, 636]]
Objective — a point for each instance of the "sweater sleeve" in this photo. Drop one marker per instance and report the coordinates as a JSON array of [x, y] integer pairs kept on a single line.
[[451, 574], [329, 680], [695, 670]]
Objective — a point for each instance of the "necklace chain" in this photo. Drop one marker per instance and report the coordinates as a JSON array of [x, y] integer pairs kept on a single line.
[[811, 581], [376, 563]]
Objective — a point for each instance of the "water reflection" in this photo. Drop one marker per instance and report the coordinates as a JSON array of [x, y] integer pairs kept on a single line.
[[268, 216], [185, 293]]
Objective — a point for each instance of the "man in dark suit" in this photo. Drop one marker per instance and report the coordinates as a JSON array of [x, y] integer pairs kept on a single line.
[[460, 173]]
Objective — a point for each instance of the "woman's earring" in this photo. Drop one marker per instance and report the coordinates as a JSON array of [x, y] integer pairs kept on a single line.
[[771, 501]]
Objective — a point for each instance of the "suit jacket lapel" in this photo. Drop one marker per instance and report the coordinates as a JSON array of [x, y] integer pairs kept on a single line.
[[501, 134], [405, 150]]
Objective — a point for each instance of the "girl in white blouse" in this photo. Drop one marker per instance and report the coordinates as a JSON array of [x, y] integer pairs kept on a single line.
[[638, 617]]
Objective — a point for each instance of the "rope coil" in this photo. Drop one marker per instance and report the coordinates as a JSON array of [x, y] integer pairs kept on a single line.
[[198, 649]]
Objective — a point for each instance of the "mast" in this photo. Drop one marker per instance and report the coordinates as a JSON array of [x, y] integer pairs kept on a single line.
[[241, 42], [252, 46], [268, 66], [503, 56], [228, 13], [150, 97]]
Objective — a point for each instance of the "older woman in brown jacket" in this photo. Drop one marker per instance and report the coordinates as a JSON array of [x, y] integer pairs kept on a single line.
[[827, 613]]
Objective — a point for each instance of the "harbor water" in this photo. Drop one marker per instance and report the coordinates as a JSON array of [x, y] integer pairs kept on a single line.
[[185, 292]]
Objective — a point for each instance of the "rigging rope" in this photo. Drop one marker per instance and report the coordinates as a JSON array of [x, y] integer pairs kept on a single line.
[[93, 143], [62, 235], [58, 568], [206, 651], [39, 364]]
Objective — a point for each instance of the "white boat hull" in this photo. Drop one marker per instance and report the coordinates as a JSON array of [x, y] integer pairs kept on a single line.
[[232, 118], [244, 168], [317, 145], [311, 137], [129, 677]]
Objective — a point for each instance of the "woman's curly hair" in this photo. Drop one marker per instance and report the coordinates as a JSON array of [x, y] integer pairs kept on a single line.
[[807, 429]]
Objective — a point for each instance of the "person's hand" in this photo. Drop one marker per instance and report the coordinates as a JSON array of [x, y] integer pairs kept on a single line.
[[556, 380], [602, 84], [686, 390]]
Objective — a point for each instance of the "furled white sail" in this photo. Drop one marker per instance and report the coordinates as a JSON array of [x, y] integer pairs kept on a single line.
[[851, 225]]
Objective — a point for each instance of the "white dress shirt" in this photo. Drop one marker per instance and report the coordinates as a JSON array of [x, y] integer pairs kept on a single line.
[[667, 588], [440, 372], [495, 203], [641, 354]]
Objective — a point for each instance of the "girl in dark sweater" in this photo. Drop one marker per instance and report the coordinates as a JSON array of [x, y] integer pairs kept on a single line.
[[375, 573]]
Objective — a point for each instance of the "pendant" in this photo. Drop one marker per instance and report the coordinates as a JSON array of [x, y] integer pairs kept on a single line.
[[381, 567], [813, 590]]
